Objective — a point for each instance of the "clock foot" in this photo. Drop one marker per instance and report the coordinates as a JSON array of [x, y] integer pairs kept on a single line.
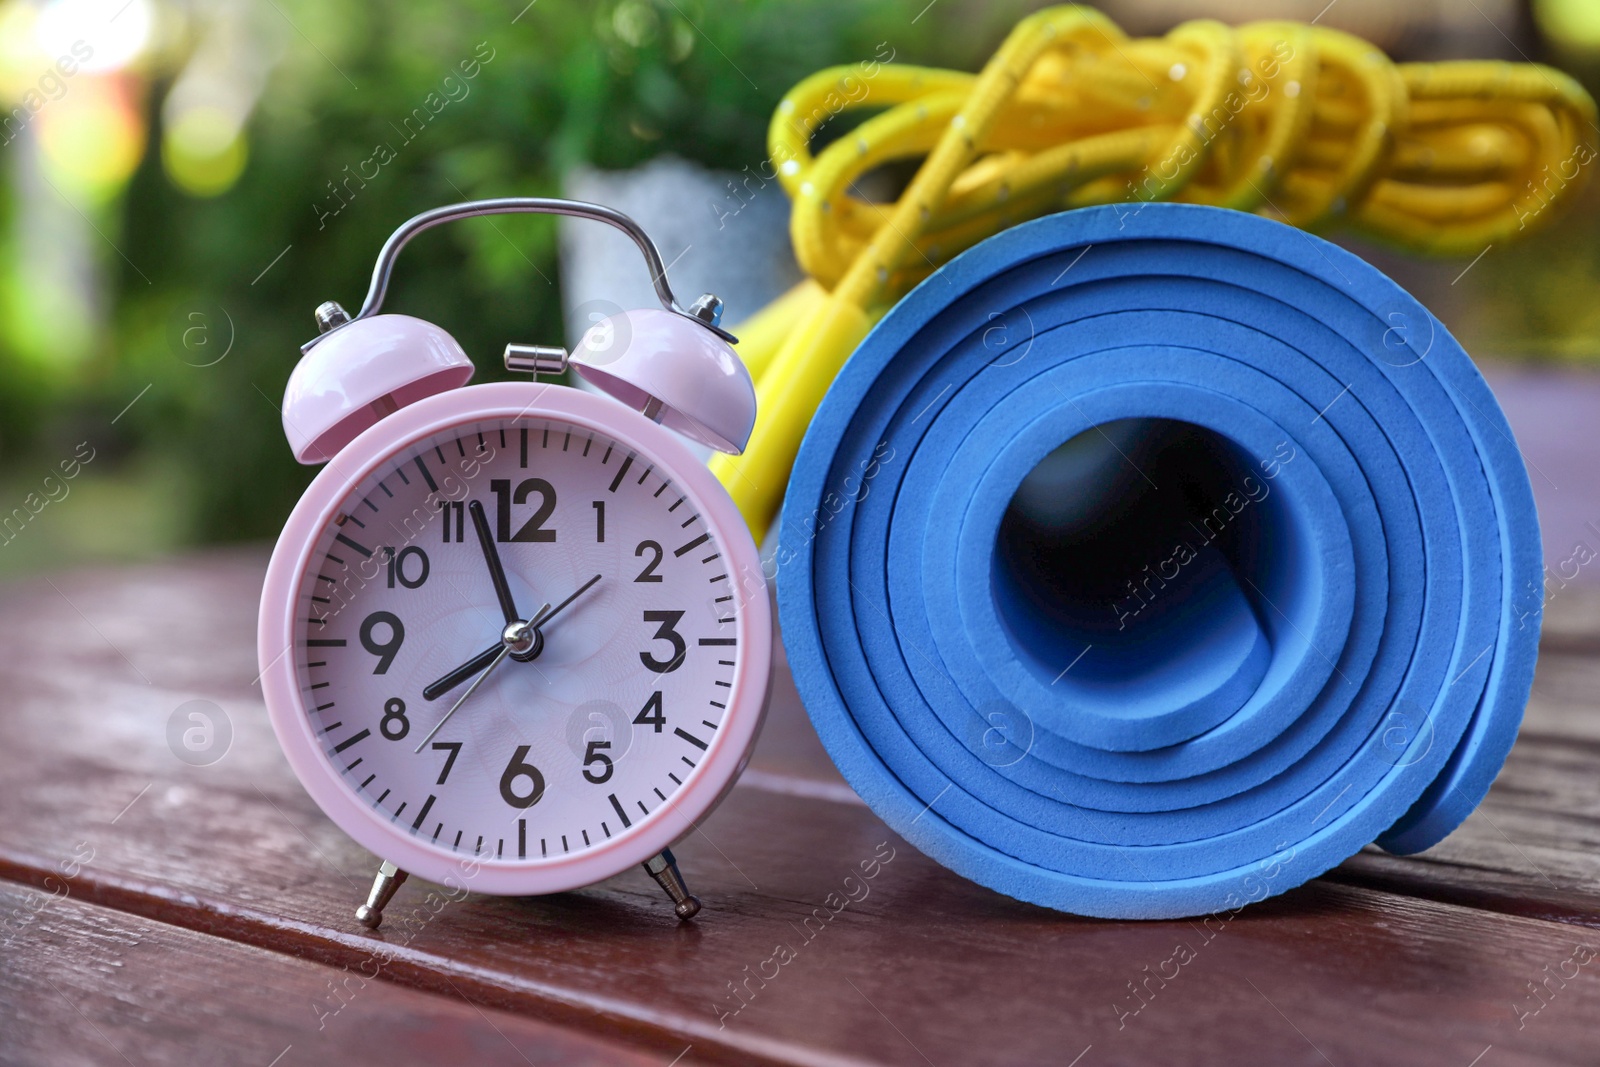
[[664, 869], [384, 885]]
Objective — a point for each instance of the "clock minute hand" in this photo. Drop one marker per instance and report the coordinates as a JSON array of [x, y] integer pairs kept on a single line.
[[502, 592], [491, 556]]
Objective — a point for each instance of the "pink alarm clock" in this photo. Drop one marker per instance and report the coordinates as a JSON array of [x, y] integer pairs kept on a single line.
[[515, 638]]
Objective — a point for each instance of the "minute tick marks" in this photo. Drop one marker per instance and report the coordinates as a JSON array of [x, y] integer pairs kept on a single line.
[[430, 604]]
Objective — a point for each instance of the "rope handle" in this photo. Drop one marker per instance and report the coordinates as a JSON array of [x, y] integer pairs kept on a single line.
[[1308, 125]]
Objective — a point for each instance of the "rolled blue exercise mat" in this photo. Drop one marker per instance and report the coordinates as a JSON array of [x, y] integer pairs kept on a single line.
[[1149, 561]]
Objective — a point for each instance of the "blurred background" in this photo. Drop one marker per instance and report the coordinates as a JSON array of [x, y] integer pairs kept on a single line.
[[181, 183]]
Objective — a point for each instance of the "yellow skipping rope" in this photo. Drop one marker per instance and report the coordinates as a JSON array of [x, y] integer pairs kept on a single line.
[[1307, 125]]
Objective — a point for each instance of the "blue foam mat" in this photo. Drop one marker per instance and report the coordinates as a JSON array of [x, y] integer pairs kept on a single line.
[[1346, 662]]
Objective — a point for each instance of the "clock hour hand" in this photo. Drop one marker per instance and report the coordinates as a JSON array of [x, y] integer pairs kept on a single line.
[[483, 660], [491, 556], [517, 635], [438, 688], [462, 699]]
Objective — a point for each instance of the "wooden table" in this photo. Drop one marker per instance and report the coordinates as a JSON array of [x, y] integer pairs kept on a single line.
[[156, 912]]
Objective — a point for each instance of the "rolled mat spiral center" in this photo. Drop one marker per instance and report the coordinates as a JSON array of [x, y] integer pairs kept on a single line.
[[1146, 561]]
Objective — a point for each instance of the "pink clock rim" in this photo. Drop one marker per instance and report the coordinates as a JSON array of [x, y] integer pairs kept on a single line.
[[286, 710]]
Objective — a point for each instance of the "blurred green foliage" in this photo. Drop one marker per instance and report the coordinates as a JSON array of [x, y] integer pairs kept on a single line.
[[200, 457], [609, 84]]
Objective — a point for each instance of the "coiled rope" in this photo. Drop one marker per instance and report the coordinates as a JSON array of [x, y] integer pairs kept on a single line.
[[1300, 123]]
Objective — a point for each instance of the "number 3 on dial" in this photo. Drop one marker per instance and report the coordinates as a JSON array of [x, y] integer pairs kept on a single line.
[[665, 632]]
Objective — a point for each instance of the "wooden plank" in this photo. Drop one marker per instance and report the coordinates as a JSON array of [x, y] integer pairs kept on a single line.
[[924, 961], [1539, 826], [84, 984], [1572, 610], [923, 966], [1533, 848]]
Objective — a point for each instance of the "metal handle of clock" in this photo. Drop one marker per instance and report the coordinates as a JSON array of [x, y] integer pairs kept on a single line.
[[522, 205]]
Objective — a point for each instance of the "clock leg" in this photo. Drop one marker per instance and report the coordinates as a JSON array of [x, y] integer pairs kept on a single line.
[[388, 880], [664, 869]]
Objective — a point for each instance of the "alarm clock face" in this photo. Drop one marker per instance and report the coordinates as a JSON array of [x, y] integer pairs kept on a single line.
[[577, 757]]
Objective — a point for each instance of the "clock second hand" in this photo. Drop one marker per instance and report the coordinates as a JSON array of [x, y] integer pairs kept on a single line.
[[582, 589], [505, 650]]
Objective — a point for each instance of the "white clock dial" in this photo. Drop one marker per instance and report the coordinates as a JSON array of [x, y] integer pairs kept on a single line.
[[591, 738]]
